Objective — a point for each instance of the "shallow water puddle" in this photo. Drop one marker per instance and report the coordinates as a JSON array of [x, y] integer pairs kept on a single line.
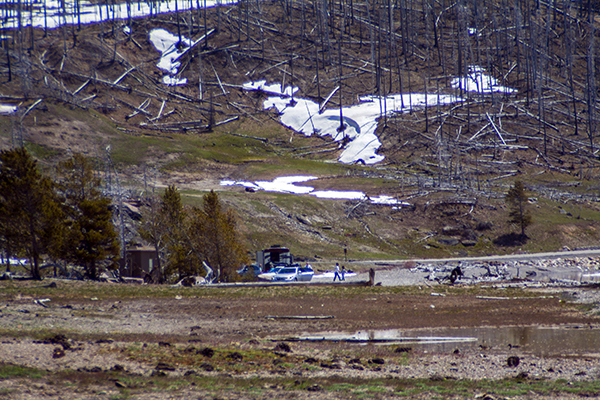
[[538, 340]]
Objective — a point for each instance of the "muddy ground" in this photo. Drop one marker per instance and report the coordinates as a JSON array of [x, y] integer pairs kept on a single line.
[[105, 340]]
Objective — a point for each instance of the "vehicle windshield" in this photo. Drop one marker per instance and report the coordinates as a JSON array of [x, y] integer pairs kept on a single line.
[[287, 271]]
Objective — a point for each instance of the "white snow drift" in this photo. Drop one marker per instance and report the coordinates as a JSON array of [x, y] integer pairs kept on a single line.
[[286, 184]]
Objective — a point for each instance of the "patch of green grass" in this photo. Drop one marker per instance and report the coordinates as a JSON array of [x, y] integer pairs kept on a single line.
[[85, 291], [435, 387], [41, 152], [8, 371]]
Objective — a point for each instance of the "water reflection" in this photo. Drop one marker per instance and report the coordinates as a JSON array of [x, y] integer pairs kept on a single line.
[[538, 340]]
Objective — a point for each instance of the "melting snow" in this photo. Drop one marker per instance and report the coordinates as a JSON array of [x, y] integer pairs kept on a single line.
[[478, 81], [360, 121], [271, 89], [286, 184], [54, 16], [171, 49], [6, 109]]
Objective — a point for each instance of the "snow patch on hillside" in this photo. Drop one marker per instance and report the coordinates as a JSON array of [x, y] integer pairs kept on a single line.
[[478, 81], [354, 127], [58, 13], [286, 184]]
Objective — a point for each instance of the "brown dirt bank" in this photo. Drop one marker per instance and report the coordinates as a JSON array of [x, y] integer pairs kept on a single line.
[[133, 340]]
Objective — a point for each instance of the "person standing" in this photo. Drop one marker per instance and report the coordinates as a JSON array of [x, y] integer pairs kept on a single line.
[[337, 272], [343, 273]]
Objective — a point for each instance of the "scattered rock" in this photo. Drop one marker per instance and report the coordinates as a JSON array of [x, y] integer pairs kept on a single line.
[[117, 368], [164, 344], [207, 352], [62, 340], [235, 356], [522, 375], [161, 366], [403, 350], [379, 361], [329, 365], [448, 241], [314, 388], [58, 353], [484, 226], [278, 361], [207, 367], [158, 373], [303, 219], [282, 346], [93, 369], [437, 378], [513, 361], [120, 384]]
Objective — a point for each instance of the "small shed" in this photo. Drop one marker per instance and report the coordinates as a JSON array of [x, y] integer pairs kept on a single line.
[[138, 262]]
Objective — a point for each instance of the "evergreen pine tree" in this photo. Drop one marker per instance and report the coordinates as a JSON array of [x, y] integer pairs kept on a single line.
[[517, 200], [90, 239], [214, 234], [29, 210], [164, 227]]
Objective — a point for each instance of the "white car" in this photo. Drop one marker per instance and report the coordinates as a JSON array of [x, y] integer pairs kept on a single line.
[[294, 273], [268, 276]]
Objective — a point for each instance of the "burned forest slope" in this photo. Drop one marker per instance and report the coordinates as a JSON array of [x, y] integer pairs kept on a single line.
[[523, 76]]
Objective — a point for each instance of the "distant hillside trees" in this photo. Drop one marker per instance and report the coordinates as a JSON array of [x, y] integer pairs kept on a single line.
[[67, 220], [186, 239], [517, 200]]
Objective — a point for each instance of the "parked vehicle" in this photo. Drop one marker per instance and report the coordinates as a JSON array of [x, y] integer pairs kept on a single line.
[[293, 273], [268, 276], [251, 271], [306, 273]]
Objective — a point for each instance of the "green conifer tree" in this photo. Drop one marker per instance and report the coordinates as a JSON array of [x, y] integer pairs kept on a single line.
[[517, 201], [90, 238], [214, 235], [29, 208], [164, 226]]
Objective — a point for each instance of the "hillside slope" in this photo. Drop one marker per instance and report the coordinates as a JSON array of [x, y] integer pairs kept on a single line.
[[103, 95]]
